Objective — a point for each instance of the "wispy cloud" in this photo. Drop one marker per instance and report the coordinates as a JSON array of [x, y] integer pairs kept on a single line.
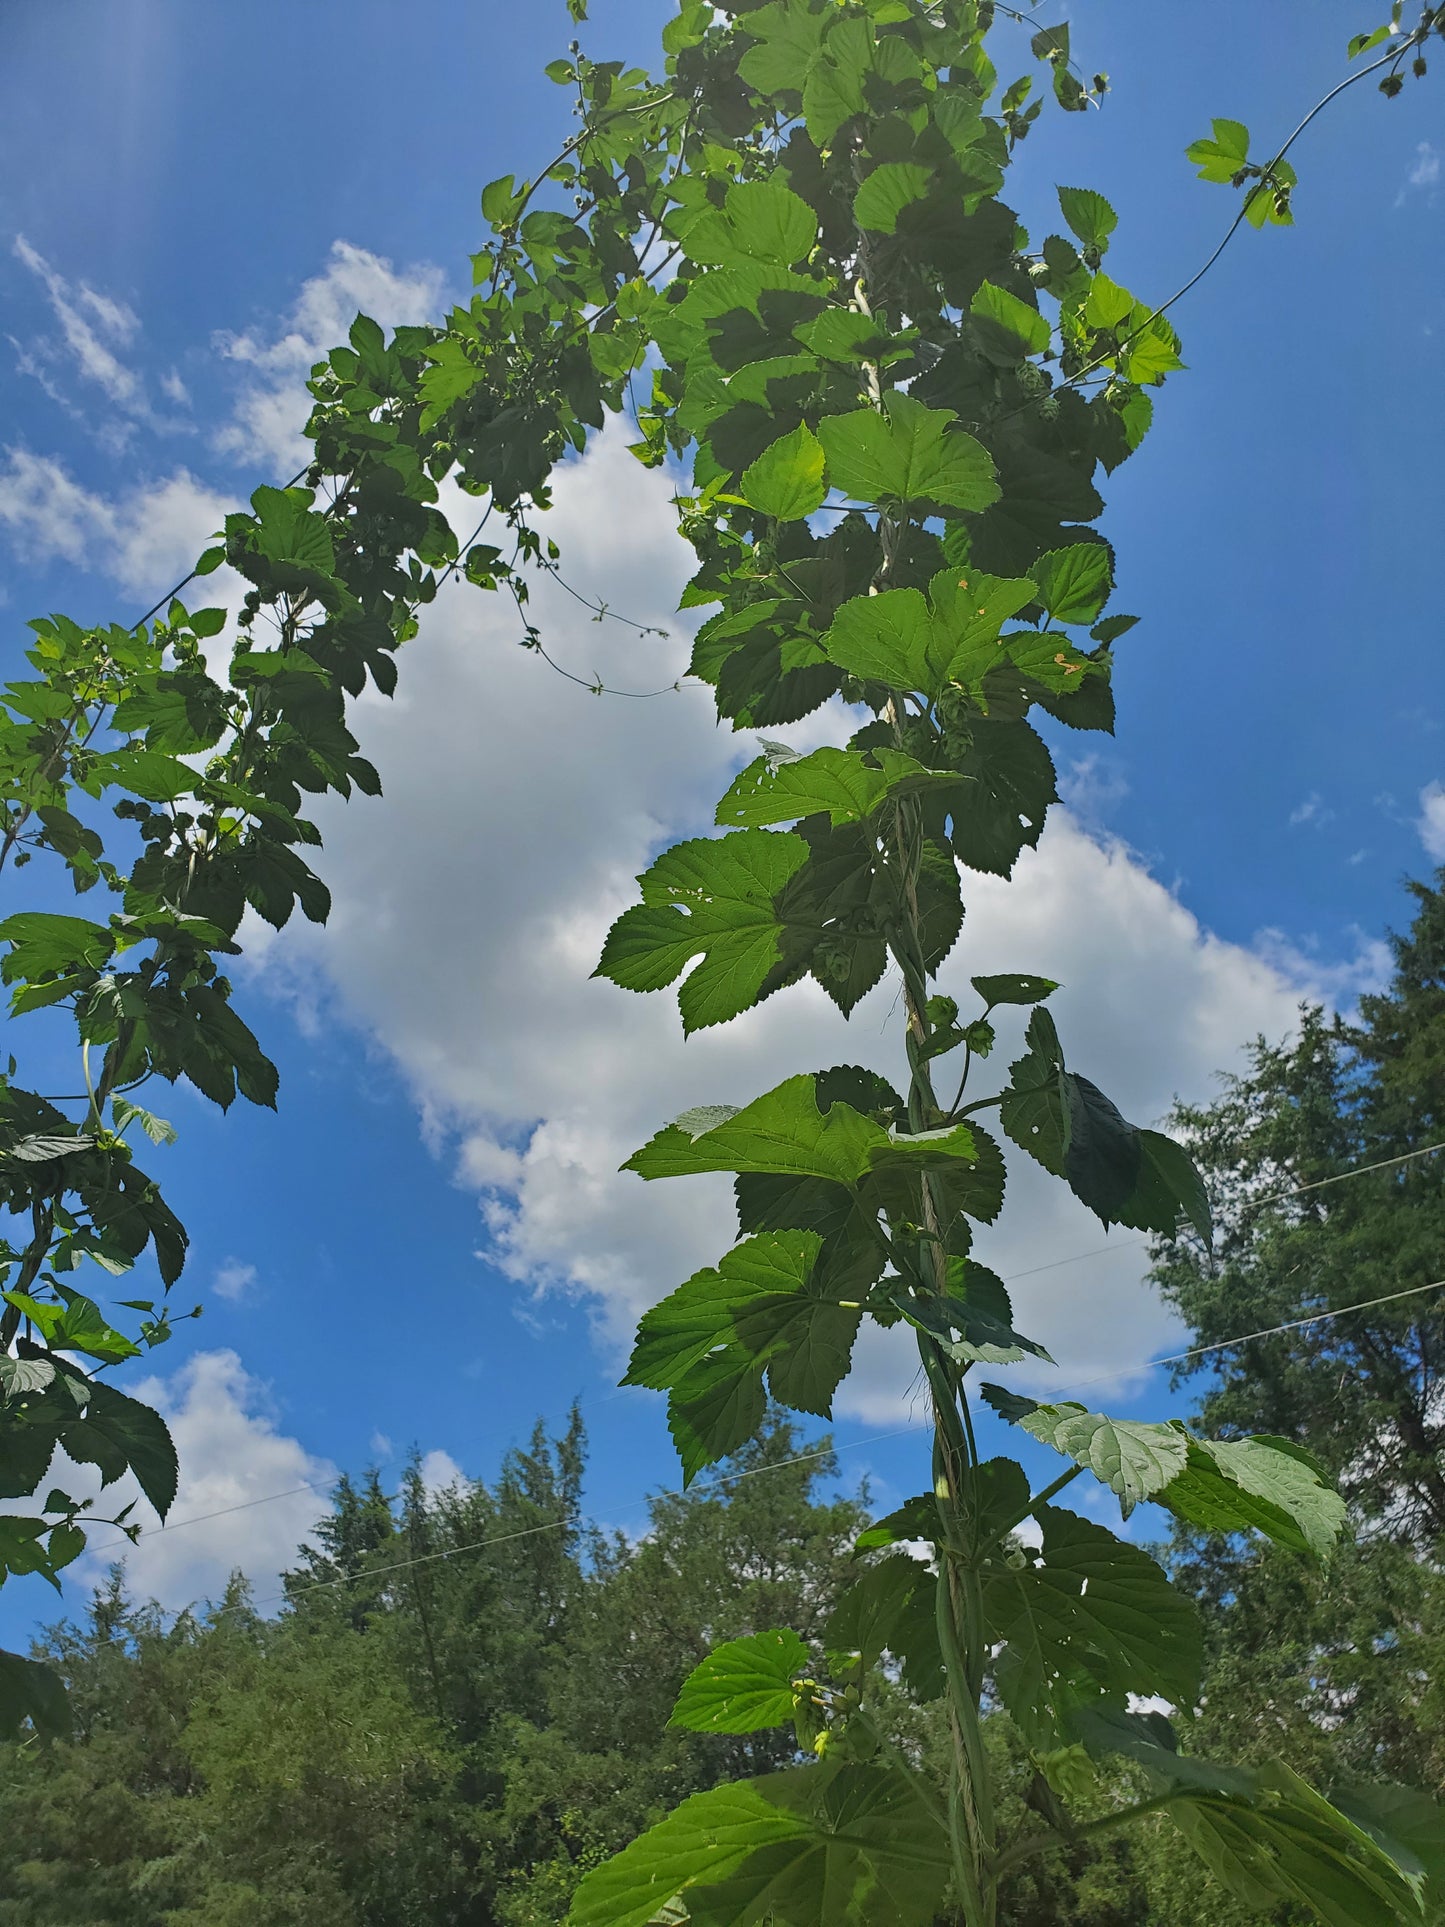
[[94, 329], [1431, 820], [234, 1281], [1312, 810], [1426, 169]]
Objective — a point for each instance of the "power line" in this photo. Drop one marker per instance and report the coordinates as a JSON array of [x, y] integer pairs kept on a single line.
[[853, 1445], [1076, 1257], [1268, 1331]]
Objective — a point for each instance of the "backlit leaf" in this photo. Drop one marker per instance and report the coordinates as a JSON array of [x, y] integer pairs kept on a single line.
[[743, 1686]]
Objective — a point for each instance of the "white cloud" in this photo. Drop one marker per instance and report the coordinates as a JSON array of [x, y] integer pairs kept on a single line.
[[233, 1280], [1425, 170], [471, 903], [440, 1472], [273, 405], [232, 1455], [144, 540], [1432, 820], [85, 317], [1312, 810], [1091, 786]]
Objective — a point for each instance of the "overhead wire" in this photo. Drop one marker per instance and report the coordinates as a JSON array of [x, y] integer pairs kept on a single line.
[[781, 1465], [1314, 1184]]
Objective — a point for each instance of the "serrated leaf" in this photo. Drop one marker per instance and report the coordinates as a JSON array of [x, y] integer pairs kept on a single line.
[[42, 942], [760, 1311], [1089, 216], [837, 781], [743, 1686], [891, 1607], [786, 481], [890, 638], [1016, 987], [699, 1317], [1408, 1824], [1258, 1484], [820, 1846], [1134, 1460], [973, 1321], [770, 222], [1010, 329], [34, 1692], [119, 1431], [21, 1375], [1221, 158], [887, 191], [1289, 1845], [713, 900], [1091, 1618], [783, 1131], [910, 454], [1074, 583]]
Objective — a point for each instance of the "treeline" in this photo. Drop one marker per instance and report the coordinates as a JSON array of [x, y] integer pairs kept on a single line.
[[420, 1739]]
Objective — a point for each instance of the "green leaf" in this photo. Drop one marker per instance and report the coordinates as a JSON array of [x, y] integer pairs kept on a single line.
[[1409, 1825], [770, 222], [42, 942], [783, 1131], [21, 1375], [711, 1341], [834, 780], [1290, 1846], [974, 1321], [821, 1846], [890, 638], [1261, 1484], [157, 1129], [787, 40], [1089, 216], [1010, 328], [1074, 583], [715, 1410], [716, 900], [1125, 1175], [1220, 159], [743, 1686], [892, 1607], [887, 191], [1134, 1460], [118, 1431], [842, 334], [786, 481], [1016, 988], [501, 201], [34, 1692], [1364, 43], [708, 1837], [910, 454], [698, 1317], [1089, 1617]]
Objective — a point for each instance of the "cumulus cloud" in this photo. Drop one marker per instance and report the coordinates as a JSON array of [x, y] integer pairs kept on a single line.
[[273, 405], [234, 1460], [142, 540], [1431, 822], [471, 903]]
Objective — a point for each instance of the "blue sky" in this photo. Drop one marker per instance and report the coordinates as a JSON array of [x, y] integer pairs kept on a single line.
[[429, 1245]]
